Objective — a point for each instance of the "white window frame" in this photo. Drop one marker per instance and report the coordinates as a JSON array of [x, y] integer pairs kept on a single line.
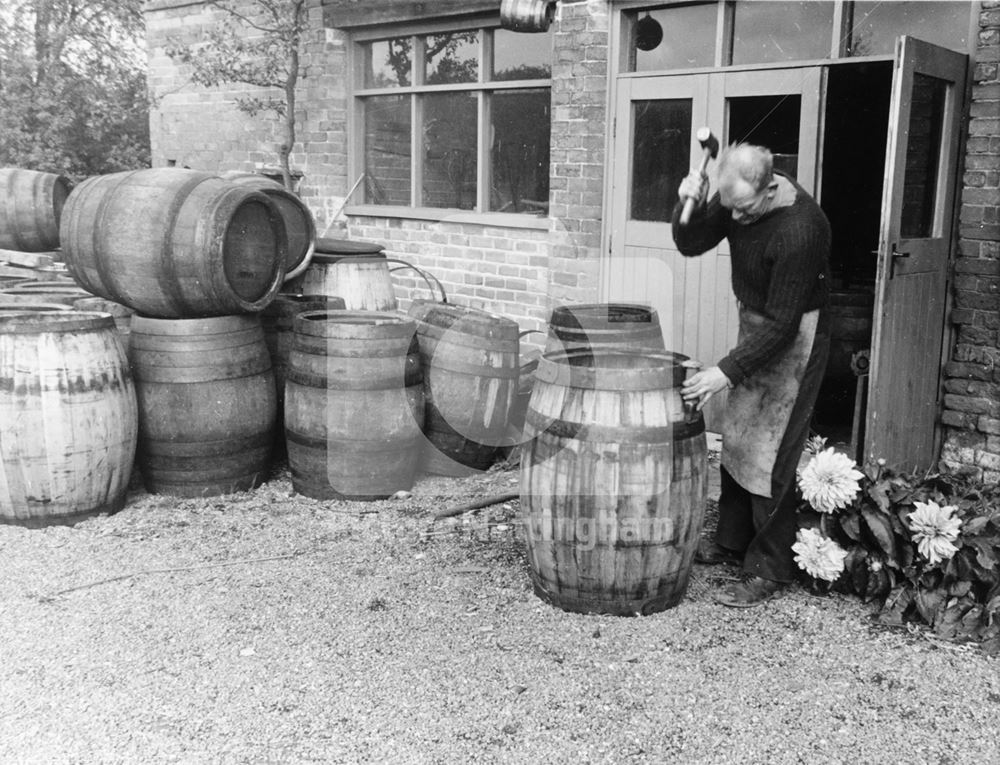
[[357, 91]]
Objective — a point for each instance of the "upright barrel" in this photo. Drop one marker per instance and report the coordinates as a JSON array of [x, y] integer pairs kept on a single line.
[[604, 325], [299, 224], [613, 481], [356, 271], [471, 370], [353, 404], [206, 404], [174, 243], [121, 314], [67, 417], [278, 320], [31, 205]]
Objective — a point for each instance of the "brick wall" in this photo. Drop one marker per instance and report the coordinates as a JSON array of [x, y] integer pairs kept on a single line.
[[521, 273], [972, 375]]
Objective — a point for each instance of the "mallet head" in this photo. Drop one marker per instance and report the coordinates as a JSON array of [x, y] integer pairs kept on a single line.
[[708, 141]]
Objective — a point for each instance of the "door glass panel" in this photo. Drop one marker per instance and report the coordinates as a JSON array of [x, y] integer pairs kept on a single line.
[[518, 56], [452, 57], [781, 31], [387, 150], [878, 24], [923, 148], [520, 128], [388, 63], [674, 38], [771, 121], [661, 156], [450, 150]]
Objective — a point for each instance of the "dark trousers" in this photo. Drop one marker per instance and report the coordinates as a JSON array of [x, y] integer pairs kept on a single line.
[[763, 528]]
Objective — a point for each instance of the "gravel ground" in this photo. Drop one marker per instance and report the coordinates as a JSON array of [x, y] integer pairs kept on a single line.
[[270, 628]]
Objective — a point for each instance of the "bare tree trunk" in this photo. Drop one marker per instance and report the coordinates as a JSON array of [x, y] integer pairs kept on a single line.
[[285, 149]]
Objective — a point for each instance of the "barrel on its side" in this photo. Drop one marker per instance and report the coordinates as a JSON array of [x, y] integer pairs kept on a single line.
[[277, 320], [174, 243], [604, 325], [471, 370], [353, 404], [67, 418], [299, 224], [49, 292], [613, 481], [206, 404], [31, 205]]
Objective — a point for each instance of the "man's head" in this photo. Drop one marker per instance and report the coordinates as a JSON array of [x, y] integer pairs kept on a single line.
[[746, 181]]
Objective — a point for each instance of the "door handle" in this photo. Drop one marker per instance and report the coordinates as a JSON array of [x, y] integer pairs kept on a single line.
[[895, 256]]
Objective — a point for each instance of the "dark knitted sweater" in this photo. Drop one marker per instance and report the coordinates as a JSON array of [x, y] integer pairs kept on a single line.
[[780, 268]]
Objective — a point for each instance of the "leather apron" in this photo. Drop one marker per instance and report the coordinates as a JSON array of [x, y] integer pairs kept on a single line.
[[758, 410]]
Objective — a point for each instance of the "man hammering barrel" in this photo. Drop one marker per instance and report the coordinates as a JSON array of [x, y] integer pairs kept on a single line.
[[779, 240]]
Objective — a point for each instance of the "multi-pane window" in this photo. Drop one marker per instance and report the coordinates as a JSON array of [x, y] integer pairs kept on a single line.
[[457, 119]]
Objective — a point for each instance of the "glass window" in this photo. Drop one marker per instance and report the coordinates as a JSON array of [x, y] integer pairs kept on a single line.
[[450, 150], [674, 38], [923, 150], [519, 56], [387, 150], [452, 57], [496, 112], [520, 151], [878, 24], [389, 63], [661, 156], [765, 32], [771, 121]]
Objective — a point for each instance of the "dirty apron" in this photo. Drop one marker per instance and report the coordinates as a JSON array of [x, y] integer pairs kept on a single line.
[[758, 410]]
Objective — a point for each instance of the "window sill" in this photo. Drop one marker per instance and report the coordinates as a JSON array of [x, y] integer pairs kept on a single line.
[[493, 219]]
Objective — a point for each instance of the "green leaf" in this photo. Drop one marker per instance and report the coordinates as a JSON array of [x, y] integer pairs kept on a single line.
[[850, 524], [929, 604], [878, 585], [880, 528], [879, 494], [985, 553], [975, 525], [896, 605]]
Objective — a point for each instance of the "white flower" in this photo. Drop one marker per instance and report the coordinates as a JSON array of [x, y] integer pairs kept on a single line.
[[818, 556], [934, 530], [829, 481]]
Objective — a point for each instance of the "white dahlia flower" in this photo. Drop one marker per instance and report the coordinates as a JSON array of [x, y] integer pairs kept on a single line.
[[830, 481], [935, 530], [818, 555]]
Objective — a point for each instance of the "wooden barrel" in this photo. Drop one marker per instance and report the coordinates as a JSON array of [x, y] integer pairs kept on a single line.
[[277, 321], [49, 292], [206, 404], [174, 243], [121, 314], [613, 481], [604, 325], [358, 272], [32, 306], [31, 205], [353, 404], [471, 370], [67, 418], [527, 15], [299, 224]]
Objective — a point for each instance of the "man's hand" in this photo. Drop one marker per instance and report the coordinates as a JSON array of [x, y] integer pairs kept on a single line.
[[694, 186], [702, 385]]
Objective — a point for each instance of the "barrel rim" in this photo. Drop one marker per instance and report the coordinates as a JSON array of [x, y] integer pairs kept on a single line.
[[34, 307], [554, 369], [579, 313], [54, 321], [204, 325], [353, 323], [220, 280]]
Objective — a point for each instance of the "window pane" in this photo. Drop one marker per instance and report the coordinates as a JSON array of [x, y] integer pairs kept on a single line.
[[688, 38], [387, 150], [452, 57], [771, 121], [878, 24], [389, 63], [518, 56], [781, 31], [520, 151], [923, 148], [449, 130], [661, 156]]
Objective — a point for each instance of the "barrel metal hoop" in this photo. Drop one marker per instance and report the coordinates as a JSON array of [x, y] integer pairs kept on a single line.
[[411, 379], [678, 431]]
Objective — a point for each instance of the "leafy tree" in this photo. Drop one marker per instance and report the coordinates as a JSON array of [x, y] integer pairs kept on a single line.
[[73, 86], [256, 43]]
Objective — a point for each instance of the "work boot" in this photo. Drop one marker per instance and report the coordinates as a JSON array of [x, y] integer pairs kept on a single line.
[[748, 592], [713, 554]]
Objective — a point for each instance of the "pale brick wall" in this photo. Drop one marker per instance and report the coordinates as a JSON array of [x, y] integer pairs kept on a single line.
[[972, 375], [515, 272]]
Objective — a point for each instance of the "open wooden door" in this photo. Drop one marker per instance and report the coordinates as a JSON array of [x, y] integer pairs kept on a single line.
[[914, 254]]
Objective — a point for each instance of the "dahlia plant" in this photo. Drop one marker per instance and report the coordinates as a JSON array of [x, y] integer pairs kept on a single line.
[[924, 548]]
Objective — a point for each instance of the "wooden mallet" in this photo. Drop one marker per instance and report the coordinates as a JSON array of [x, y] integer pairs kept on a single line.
[[709, 150]]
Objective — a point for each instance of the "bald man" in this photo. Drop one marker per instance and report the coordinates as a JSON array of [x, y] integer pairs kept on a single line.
[[779, 241]]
